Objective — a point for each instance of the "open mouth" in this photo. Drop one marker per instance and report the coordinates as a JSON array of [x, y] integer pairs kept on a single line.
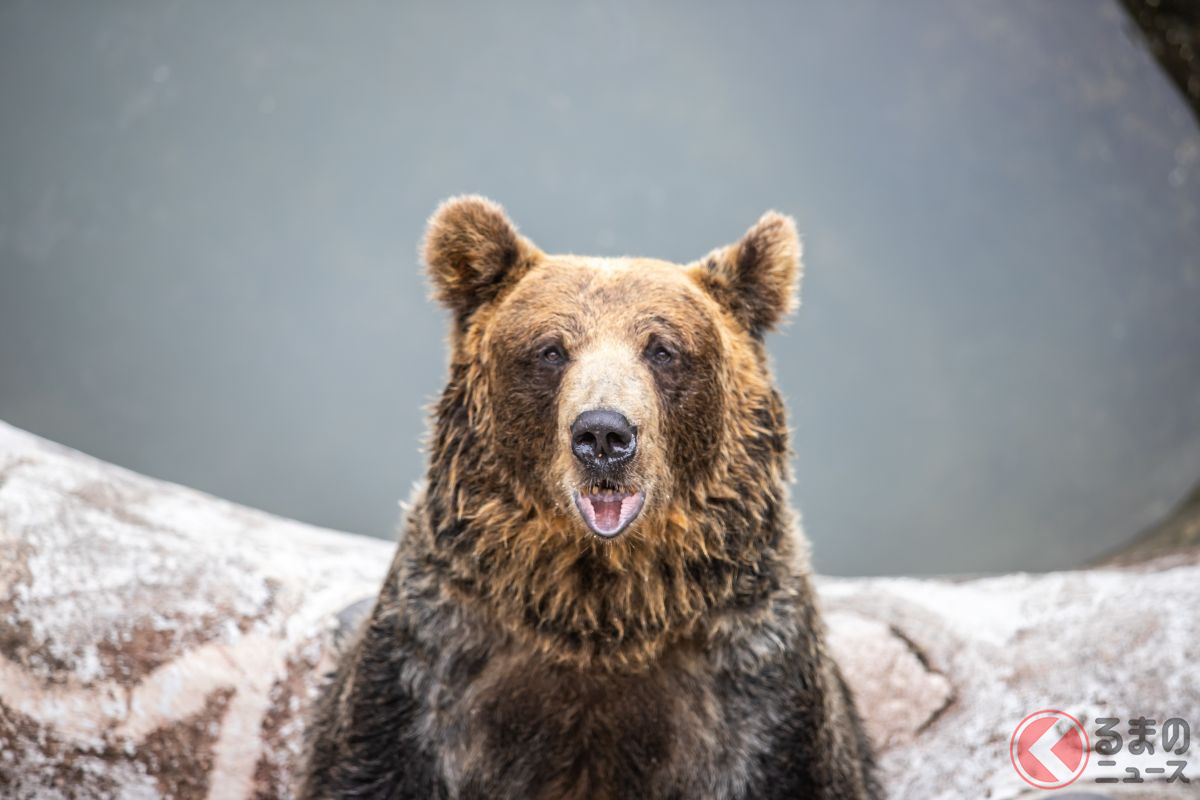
[[608, 509]]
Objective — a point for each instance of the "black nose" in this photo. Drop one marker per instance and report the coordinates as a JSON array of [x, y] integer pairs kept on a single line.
[[602, 439]]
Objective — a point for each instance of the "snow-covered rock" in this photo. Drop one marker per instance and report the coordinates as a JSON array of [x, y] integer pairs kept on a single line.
[[159, 642]]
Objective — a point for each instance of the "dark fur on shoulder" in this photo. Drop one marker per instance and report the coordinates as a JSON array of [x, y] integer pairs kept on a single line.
[[517, 650]]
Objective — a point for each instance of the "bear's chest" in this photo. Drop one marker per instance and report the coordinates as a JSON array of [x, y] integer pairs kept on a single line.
[[529, 731]]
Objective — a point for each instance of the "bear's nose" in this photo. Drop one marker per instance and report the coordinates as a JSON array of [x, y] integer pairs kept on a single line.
[[602, 438]]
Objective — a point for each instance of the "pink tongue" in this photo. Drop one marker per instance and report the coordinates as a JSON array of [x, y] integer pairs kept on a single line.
[[608, 513]]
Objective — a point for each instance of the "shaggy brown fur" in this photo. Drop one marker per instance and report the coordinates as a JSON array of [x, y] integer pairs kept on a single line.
[[516, 653]]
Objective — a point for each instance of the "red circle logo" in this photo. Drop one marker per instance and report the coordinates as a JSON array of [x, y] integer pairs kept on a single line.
[[1049, 749]]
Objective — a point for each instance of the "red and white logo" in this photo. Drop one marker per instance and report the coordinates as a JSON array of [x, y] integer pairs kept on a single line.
[[1049, 749]]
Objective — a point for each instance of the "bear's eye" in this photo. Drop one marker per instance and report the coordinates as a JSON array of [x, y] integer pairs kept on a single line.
[[659, 354], [553, 355]]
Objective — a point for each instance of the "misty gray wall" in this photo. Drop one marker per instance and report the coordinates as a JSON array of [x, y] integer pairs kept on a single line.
[[209, 214]]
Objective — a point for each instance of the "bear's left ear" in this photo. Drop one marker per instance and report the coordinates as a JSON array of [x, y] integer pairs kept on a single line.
[[758, 277], [472, 251]]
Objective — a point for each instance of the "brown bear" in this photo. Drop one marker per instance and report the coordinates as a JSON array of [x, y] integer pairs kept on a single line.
[[600, 591]]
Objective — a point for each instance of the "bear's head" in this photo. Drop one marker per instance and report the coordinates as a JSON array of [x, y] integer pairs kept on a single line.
[[609, 456]]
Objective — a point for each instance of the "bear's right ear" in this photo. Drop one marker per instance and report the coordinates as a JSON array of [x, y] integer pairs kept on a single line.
[[472, 251]]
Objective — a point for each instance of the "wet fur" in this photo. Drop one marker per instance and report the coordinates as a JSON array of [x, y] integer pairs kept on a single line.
[[513, 655]]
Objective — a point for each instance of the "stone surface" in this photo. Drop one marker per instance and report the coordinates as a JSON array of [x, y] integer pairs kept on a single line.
[[158, 642], [155, 641]]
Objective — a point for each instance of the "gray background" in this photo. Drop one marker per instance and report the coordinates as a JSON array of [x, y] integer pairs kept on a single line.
[[209, 214]]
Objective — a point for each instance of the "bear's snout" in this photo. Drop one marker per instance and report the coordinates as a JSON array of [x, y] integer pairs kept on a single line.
[[603, 439]]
